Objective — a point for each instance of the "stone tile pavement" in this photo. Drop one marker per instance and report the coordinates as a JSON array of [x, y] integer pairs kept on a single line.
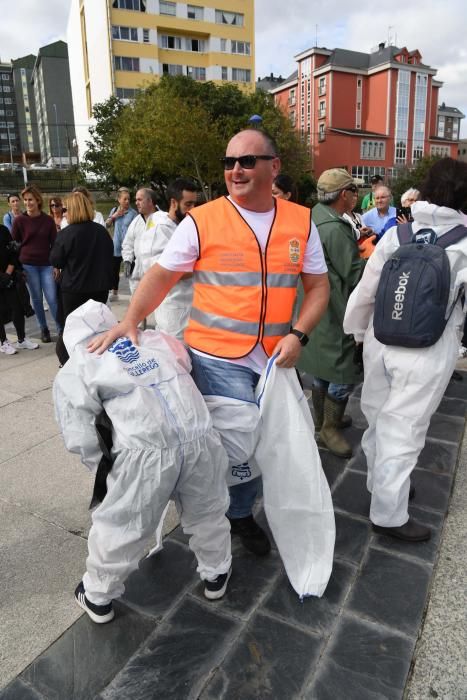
[[358, 641]]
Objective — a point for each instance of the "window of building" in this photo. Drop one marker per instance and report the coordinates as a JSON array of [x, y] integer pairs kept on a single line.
[[322, 86], [372, 150], [224, 45], [233, 18], [171, 42], [322, 109], [125, 33], [10, 125], [420, 100], [126, 63], [2, 125], [441, 151], [6, 88], [195, 44], [196, 72], [146, 36], [195, 12], [2, 112], [172, 69], [242, 47], [241, 75], [225, 75], [4, 136], [126, 93], [358, 111], [167, 8], [293, 117], [23, 72], [402, 117], [292, 97], [321, 132], [8, 101], [137, 5], [441, 126], [5, 76]]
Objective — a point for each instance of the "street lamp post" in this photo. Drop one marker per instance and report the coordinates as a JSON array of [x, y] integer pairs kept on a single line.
[[58, 138]]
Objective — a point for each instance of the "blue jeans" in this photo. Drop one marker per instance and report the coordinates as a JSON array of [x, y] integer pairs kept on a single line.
[[40, 280], [216, 378], [340, 392]]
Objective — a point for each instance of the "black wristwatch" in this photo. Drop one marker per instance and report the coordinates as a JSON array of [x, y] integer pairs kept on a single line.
[[303, 338]]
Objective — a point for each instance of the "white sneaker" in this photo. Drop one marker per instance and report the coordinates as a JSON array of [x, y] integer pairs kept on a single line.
[[7, 348], [26, 344], [462, 352], [113, 297]]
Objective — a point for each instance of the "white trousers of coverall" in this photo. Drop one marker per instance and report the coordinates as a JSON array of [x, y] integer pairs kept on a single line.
[[140, 485], [401, 391]]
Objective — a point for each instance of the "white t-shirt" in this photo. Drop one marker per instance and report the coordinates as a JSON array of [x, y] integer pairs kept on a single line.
[[182, 251]]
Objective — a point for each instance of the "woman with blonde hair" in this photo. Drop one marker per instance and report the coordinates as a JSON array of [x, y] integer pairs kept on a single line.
[[84, 253]]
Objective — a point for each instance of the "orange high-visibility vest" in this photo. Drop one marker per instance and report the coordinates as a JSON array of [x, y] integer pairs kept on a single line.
[[242, 297]]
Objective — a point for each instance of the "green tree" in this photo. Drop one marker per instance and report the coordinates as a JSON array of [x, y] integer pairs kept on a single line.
[[411, 177], [104, 135]]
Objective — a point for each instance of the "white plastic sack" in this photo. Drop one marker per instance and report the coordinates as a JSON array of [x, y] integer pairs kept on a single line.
[[297, 500]]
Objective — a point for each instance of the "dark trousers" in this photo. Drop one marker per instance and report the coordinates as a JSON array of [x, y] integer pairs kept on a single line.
[[70, 302], [117, 261], [13, 303]]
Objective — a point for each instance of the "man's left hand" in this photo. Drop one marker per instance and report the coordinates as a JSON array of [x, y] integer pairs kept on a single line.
[[289, 350]]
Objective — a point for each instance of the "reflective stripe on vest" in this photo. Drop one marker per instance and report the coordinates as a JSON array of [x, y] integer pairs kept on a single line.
[[243, 296]]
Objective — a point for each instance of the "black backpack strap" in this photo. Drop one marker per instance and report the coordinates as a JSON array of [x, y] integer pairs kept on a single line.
[[405, 233], [453, 236]]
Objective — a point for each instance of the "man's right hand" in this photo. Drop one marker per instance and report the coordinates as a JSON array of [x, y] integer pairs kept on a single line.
[[125, 328], [127, 268]]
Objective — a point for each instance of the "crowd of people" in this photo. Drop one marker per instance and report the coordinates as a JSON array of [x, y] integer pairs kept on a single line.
[[223, 277]]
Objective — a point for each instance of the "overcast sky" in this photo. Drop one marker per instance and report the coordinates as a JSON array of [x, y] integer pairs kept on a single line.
[[283, 29]]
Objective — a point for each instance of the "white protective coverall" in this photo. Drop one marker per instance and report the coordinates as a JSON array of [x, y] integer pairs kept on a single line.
[[171, 316], [164, 447], [131, 250], [402, 386]]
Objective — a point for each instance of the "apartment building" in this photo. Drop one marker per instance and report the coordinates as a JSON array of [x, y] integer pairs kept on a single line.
[[54, 107], [10, 146], [26, 106], [118, 46], [371, 113]]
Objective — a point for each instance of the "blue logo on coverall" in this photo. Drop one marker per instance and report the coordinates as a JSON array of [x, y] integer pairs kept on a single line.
[[124, 349]]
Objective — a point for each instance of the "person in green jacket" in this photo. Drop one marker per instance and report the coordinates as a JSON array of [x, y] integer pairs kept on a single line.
[[368, 201], [329, 355]]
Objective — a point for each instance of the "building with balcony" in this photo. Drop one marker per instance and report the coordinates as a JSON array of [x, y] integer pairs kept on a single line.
[[118, 46], [372, 113], [54, 107]]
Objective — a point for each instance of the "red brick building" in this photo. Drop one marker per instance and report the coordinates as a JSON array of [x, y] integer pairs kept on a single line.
[[368, 112]]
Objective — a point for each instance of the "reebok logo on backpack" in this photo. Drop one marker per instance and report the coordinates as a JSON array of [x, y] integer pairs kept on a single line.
[[411, 304]]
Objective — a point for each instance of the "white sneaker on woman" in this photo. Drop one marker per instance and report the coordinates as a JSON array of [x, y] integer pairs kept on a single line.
[[26, 344], [7, 348]]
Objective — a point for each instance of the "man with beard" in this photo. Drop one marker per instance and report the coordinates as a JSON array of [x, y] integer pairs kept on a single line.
[[172, 314]]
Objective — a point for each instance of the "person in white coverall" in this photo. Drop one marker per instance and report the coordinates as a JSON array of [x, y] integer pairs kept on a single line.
[[164, 447], [403, 386], [134, 243], [171, 316]]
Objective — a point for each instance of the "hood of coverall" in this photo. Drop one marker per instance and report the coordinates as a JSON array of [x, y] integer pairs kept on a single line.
[[87, 320]]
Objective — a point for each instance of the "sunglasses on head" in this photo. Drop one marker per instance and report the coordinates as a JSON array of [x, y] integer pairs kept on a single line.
[[246, 162]]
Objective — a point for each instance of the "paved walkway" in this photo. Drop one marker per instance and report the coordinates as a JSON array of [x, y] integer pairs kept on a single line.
[[358, 641]]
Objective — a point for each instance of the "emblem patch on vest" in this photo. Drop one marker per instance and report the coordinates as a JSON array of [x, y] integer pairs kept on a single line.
[[294, 250]]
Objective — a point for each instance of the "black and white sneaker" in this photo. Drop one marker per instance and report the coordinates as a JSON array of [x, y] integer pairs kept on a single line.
[[216, 589], [97, 613]]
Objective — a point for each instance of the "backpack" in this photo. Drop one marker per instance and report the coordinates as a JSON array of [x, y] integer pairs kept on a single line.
[[411, 303]]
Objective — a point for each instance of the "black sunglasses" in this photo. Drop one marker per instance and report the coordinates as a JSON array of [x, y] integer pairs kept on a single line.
[[52, 204], [246, 162]]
